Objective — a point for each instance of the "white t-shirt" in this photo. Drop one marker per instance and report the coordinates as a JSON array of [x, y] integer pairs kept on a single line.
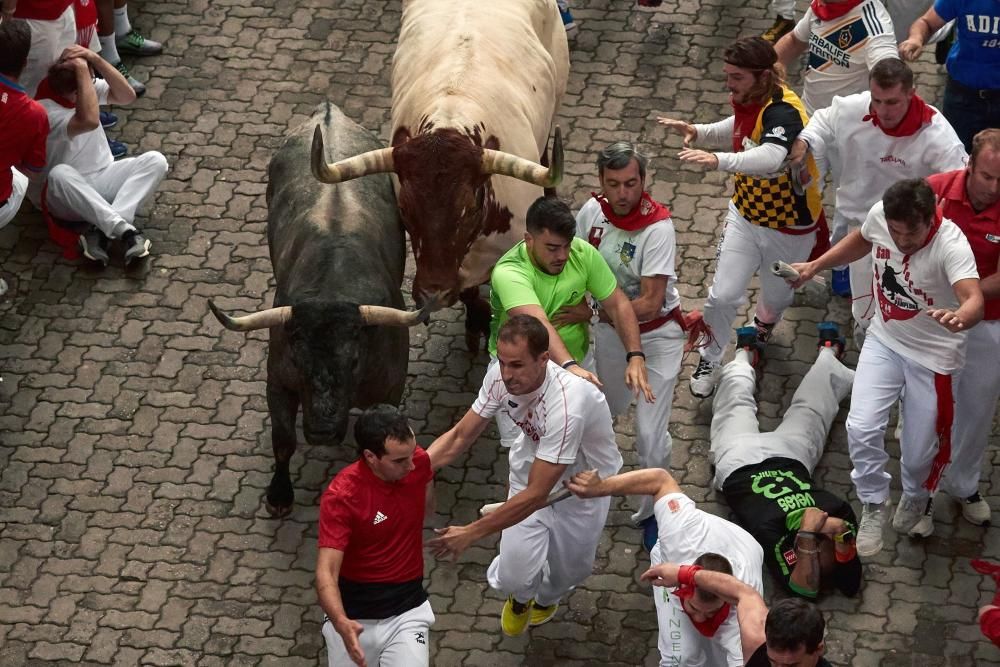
[[632, 256], [870, 159], [685, 533], [843, 51], [907, 285], [565, 421], [87, 152]]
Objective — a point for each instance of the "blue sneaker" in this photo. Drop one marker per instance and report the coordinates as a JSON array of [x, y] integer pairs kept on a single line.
[[748, 338], [650, 532], [829, 336], [567, 18], [108, 120], [842, 282], [118, 149]]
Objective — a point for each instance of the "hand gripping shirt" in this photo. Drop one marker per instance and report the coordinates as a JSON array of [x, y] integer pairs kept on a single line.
[[517, 282], [566, 421], [981, 229], [843, 50], [632, 256], [905, 286], [770, 201], [769, 499]]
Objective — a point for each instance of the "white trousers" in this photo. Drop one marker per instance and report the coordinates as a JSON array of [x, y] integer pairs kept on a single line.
[[107, 199], [880, 379], [664, 350], [397, 641], [19, 187], [551, 551], [784, 8], [680, 643], [735, 433], [977, 389], [746, 249], [48, 40]]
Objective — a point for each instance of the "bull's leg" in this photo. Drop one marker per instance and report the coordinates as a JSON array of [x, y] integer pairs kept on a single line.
[[283, 406], [477, 318]]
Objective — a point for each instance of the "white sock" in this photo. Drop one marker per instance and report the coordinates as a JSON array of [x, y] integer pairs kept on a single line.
[[122, 26], [108, 49]]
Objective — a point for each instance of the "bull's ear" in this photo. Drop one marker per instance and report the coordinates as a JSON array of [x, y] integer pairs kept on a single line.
[[400, 136]]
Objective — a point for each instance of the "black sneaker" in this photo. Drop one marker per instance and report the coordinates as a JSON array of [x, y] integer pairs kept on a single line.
[[95, 246], [829, 336], [136, 246], [764, 331], [779, 29]]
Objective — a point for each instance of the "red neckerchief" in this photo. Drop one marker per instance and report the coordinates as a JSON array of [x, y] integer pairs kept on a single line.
[[746, 120], [917, 115], [646, 212], [935, 226], [827, 11], [707, 628], [45, 92]]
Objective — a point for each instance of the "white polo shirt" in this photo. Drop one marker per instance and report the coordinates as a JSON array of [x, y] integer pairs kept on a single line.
[[88, 152]]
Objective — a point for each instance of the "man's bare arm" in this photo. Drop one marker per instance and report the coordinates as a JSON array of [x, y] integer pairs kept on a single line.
[[456, 440], [655, 482], [328, 564]]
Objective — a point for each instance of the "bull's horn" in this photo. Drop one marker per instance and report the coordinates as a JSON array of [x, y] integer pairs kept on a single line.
[[373, 162], [505, 164], [393, 317], [265, 319]]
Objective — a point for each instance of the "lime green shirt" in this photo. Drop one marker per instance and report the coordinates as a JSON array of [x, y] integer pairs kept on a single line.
[[517, 282]]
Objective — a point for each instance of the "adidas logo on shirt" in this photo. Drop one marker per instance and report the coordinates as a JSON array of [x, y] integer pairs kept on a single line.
[[379, 518]]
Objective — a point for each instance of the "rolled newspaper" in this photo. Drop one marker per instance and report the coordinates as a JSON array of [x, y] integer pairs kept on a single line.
[[561, 494], [785, 271]]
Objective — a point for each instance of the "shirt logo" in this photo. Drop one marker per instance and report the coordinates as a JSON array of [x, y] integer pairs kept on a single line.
[[776, 133], [511, 403], [993, 238], [626, 253], [420, 638], [790, 557], [893, 160], [595, 236], [674, 506], [379, 518]]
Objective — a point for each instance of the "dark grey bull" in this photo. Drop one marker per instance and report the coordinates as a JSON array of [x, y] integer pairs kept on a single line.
[[333, 248]]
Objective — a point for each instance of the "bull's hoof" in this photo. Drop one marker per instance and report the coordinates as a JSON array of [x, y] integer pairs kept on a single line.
[[279, 498], [277, 511]]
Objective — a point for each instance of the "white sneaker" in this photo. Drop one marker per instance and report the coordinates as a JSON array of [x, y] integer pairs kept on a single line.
[[704, 378], [924, 526], [976, 510], [908, 513], [869, 541]]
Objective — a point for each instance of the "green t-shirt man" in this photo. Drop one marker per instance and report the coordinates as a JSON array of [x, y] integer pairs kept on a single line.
[[517, 282]]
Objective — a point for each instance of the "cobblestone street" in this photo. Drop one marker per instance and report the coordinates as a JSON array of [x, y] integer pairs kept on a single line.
[[134, 437]]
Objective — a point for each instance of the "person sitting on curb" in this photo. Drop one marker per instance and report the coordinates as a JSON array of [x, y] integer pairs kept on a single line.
[[84, 182]]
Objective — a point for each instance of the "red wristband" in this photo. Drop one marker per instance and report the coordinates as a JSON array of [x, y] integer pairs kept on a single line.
[[685, 574]]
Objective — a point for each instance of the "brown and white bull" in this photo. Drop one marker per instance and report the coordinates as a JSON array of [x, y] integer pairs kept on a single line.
[[476, 86]]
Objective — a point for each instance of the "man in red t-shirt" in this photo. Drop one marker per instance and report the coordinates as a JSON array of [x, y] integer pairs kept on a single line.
[[370, 569], [24, 124], [970, 198]]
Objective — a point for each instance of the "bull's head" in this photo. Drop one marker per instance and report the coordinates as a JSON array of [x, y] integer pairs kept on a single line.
[[326, 346], [444, 197]]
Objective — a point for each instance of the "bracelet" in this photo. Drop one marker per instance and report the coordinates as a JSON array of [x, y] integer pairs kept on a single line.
[[807, 552], [571, 362], [807, 533], [635, 353]]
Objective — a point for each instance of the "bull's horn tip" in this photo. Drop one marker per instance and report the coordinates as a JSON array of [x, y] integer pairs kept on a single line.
[[224, 319]]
